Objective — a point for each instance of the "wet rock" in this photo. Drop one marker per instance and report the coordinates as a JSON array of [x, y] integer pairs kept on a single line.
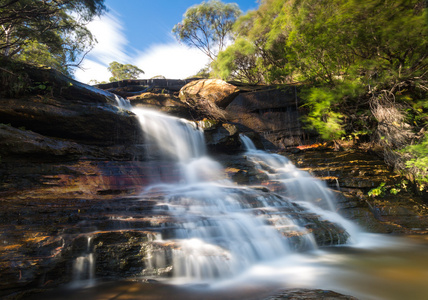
[[306, 294], [241, 171], [31, 80], [62, 117], [220, 137], [302, 223], [127, 253], [88, 123], [16, 142], [44, 230]]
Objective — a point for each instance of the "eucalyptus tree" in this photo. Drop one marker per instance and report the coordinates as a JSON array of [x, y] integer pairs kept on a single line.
[[359, 60], [47, 32], [207, 26], [122, 72]]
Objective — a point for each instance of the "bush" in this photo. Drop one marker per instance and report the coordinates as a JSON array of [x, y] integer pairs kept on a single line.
[[325, 104], [417, 164]]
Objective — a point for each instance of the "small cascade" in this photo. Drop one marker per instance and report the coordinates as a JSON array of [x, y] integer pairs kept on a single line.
[[84, 267], [122, 103], [222, 230], [298, 185], [171, 138]]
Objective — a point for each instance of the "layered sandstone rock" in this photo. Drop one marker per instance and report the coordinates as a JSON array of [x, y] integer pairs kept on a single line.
[[272, 113]]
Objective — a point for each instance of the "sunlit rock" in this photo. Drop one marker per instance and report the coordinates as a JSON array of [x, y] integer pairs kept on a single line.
[[215, 91]]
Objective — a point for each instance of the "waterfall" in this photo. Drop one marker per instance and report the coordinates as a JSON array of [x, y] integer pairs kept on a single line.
[[221, 229], [216, 233], [172, 138]]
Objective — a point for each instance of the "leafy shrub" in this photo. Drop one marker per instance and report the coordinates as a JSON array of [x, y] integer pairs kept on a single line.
[[418, 162], [325, 112], [378, 191]]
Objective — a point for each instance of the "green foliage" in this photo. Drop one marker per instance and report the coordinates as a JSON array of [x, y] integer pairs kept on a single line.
[[324, 105], [365, 60], [327, 41], [418, 163], [207, 26], [394, 191], [238, 62], [321, 116], [51, 33], [205, 72], [378, 191], [39, 54], [41, 87], [123, 72]]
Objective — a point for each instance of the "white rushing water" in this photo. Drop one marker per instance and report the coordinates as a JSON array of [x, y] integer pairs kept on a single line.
[[216, 234], [223, 229], [299, 185], [84, 267]]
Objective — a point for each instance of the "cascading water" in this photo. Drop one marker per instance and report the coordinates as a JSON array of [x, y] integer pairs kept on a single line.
[[299, 185], [220, 228], [215, 234], [84, 267]]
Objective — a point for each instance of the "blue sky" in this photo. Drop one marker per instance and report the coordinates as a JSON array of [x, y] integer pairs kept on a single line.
[[139, 32]]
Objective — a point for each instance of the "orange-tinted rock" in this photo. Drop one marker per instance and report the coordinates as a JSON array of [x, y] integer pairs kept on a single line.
[[215, 91]]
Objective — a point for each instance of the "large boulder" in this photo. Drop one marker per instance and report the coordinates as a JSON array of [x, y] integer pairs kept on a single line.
[[209, 97], [215, 91]]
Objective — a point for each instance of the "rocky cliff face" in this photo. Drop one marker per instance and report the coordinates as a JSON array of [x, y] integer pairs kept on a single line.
[[61, 117], [72, 164], [272, 113]]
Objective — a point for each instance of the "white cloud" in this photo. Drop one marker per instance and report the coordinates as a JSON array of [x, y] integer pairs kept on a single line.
[[108, 31], [173, 60], [111, 46], [92, 70]]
